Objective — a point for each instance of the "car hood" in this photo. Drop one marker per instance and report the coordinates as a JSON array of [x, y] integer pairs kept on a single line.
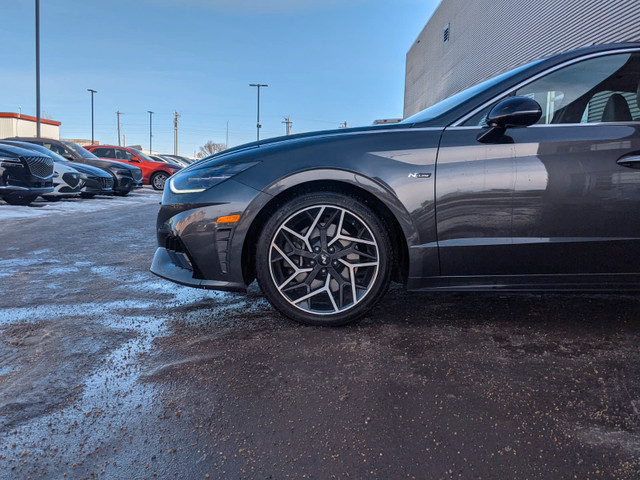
[[12, 151], [289, 139], [90, 170], [102, 163], [63, 167]]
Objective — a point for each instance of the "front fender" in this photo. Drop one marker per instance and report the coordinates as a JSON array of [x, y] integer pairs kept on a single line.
[[372, 186]]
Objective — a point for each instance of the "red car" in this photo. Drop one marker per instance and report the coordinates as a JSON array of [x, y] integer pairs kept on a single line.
[[154, 173]]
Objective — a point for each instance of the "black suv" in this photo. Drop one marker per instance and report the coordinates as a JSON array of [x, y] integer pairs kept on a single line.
[[127, 177], [24, 174]]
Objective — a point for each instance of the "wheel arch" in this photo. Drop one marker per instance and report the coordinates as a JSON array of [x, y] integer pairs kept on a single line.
[[380, 199], [159, 170]]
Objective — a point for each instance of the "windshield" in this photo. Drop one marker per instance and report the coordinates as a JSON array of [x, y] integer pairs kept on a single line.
[[84, 153], [450, 103], [144, 156]]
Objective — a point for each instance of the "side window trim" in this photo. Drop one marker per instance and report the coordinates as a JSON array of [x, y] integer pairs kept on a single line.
[[524, 83]]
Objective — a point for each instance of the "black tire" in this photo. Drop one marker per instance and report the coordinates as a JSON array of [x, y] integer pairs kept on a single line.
[[20, 198], [87, 195], [51, 198], [158, 180], [314, 202], [123, 194]]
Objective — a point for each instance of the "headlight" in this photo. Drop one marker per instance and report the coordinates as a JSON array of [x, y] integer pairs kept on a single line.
[[199, 180]]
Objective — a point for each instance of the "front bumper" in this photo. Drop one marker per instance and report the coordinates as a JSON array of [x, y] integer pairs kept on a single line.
[[168, 264], [8, 189], [197, 251], [125, 184], [98, 185]]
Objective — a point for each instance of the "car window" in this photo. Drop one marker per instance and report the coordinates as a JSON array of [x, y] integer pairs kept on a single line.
[[591, 91], [453, 101], [106, 152], [60, 150], [596, 107], [79, 151], [122, 154], [143, 156]]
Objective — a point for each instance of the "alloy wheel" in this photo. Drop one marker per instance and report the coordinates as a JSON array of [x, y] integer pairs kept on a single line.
[[324, 259], [159, 180]]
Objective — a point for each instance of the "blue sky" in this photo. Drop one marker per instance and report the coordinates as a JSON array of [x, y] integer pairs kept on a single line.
[[326, 62]]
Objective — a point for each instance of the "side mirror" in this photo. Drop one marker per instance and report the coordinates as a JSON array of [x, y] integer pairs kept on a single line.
[[68, 157], [510, 113], [135, 160]]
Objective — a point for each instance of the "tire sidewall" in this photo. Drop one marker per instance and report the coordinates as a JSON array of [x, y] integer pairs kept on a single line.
[[352, 204]]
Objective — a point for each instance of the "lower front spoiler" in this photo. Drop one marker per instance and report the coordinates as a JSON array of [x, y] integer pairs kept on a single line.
[[164, 266]]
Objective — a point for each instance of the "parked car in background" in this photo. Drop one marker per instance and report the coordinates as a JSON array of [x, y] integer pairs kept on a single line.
[[180, 158], [153, 172], [24, 174], [527, 182], [126, 177], [67, 182], [172, 161], [94, 180]]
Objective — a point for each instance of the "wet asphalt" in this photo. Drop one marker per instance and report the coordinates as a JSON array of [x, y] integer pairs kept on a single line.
[[109, 372]]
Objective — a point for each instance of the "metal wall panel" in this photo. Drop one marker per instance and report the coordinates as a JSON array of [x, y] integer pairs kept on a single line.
[[7, 127], [488, 37]]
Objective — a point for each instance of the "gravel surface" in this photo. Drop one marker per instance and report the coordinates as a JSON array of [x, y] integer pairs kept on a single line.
[[107, 371]]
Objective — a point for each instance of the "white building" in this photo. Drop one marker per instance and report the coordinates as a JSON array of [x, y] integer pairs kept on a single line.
[[18, 125]]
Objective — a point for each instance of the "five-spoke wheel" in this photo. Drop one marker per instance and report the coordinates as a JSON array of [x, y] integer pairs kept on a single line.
[[324, 258], [158, 180]]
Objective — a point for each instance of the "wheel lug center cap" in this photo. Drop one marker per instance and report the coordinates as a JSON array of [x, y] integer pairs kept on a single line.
[[324, 259]]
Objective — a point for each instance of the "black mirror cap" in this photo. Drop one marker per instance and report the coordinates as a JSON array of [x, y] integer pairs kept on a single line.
[[514, 112]]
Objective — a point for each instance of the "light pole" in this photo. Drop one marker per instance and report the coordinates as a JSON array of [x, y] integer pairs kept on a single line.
[[38, 68], [92, 92], [258, 126], [150, 130]]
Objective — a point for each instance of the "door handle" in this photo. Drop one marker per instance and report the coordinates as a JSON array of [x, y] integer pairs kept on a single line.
[[630, 161]]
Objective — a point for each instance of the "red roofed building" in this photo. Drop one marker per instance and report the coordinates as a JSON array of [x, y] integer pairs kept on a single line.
[[18, 125]]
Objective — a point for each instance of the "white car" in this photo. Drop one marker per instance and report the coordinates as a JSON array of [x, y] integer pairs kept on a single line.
[[67, 182]]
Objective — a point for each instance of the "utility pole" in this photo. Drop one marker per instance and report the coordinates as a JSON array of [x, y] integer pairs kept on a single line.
[[258, 126], [175, 132], [124, 140], [227, 141], [118, 113], [288, 123], [92, 92], [150, 131], [38, 68]]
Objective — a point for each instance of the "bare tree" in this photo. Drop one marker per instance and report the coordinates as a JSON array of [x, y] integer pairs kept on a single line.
[[210, 148]]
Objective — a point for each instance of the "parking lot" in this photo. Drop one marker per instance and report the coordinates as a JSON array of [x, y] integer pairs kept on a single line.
[[107, 371]]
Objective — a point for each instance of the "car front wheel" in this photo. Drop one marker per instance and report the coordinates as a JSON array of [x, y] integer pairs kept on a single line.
[[324, 259], [158, 180]]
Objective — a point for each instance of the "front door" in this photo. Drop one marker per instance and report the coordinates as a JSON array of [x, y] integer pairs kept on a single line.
[[558, 198]]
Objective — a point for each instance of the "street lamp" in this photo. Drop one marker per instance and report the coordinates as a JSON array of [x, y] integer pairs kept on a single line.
[[38, 68], [150, 131], [92, 92], [258, 126]]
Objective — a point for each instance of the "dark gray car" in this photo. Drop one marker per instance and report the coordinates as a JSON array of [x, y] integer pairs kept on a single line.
[[527, 182]]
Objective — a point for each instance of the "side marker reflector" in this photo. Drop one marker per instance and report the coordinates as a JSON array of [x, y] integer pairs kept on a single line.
[[228, 219]]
